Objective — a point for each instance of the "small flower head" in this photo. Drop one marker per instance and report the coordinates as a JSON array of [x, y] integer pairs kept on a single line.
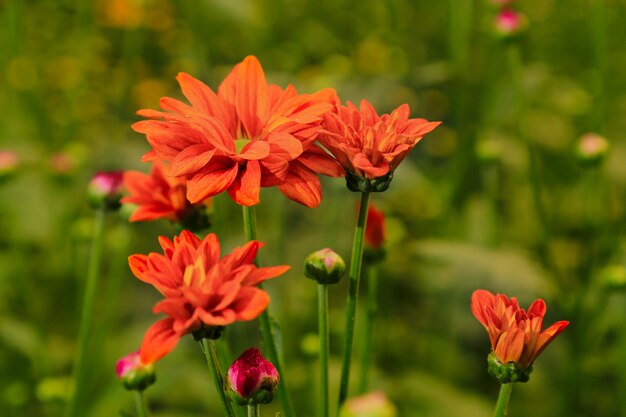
[[105, 189], [202, 291], [159, 195], [510, 23], [592, 148], [368, 146], [134, 374], [324, 266], [252, 379], [517, 336], [373, 404], [374, 233]]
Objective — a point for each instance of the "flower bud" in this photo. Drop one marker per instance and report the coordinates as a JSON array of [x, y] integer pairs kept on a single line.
[[592, 148], [252, 379], [510, 23], [9, 163], [134, 374], [374, 404], [374, 234], [324, 266], [357, 183], [105, 189]]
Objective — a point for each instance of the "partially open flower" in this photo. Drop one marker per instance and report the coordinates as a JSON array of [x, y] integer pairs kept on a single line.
[[517, 336], [252, 379], [134, 374], [368, 146], [159, 195], [324, 266], [105, 189]]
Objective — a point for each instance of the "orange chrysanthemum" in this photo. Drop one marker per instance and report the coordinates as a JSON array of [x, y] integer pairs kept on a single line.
[[158, 195], [370, 146], [201, 290], [516, 335], [250, 134]]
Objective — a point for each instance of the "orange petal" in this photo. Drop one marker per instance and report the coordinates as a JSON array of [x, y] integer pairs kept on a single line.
[[261, 274], [246, 188], [250, 302], [319, 161], [212, 180], [257, 149], [202, 97], [159, 340], [302, 186], [192, 159], [510, 345]]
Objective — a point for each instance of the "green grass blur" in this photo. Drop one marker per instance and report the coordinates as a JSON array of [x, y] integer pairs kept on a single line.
[[463, 211]]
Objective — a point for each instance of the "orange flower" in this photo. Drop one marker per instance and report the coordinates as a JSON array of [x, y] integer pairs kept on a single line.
[[159, 195], [202, 291], [250, 134], [516, 335], [369, 146]]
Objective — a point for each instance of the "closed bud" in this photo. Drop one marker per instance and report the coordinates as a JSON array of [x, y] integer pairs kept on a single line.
[[592, 148], [510, 23], [134, 374], [252, 379], [324, 266], [105, 189], [374, 404]]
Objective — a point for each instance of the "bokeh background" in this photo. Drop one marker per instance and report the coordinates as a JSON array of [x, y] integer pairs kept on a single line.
[[497, 197]]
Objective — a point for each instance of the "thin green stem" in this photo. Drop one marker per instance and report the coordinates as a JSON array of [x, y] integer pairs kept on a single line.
[[86, 317], [210, 351], [322, 311], [267, 332], [253, 410], [140, 404], [502, 406], [372, 308], [353, 291]]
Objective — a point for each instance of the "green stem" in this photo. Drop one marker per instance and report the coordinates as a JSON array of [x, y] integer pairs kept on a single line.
[[253, 410], [502, 406], [86, 317], [372, 308], [322, 311], [269, 341], [140, 404], [353, 292], [210, 351]]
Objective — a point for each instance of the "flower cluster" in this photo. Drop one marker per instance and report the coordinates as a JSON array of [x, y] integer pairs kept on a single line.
[[517, 335]]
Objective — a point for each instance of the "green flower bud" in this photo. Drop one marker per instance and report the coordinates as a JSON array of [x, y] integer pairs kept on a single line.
[[507, 373], [324, 266], [365, 185]]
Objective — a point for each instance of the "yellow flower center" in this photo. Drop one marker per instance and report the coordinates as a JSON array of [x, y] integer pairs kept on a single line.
[[240, 143]]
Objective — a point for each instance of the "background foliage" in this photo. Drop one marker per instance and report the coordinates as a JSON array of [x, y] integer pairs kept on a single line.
[[462, 211]]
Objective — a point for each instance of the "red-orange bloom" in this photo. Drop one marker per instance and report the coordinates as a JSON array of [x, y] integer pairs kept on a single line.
[[369, 145], [158, 195], [250, 134], [201, 289], [516, 335]]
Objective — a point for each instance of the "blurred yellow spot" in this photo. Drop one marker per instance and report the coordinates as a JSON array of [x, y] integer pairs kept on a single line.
[[64, 72], [120, 13], [21, 73], [442, 142], [147, 93], [372, 57]]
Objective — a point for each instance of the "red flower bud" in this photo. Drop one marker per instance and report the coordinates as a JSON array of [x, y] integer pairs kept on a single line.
[[252, 379], [134, 374], [105, 189]]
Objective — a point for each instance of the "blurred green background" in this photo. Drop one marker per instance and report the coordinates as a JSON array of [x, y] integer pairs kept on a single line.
[[495, 198]]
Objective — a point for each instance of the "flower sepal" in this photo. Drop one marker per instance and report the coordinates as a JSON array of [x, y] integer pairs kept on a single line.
[[509, 372], [361, 184], [208, 332]]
